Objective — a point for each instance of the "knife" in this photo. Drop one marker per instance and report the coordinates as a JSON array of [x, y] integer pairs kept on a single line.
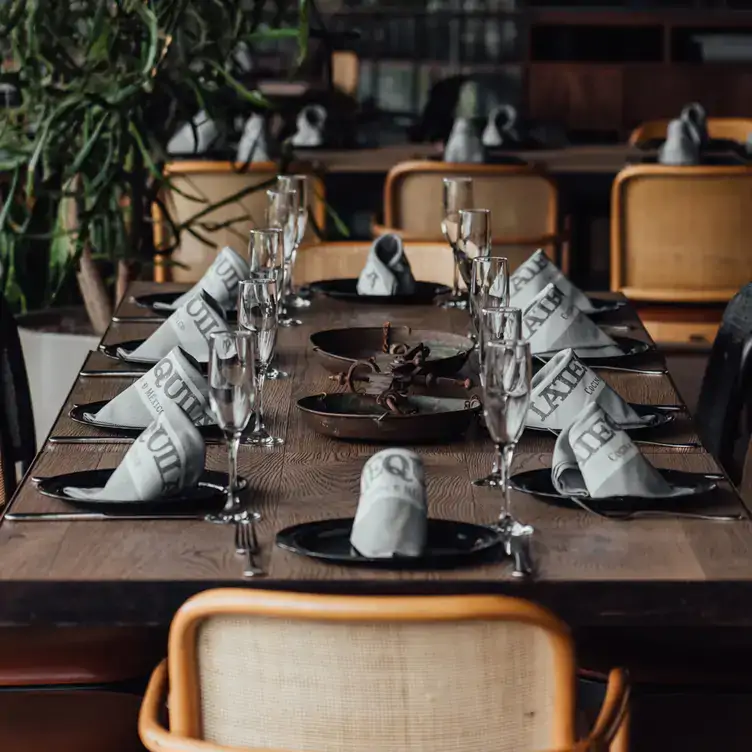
[[94, 517], [112, 374]]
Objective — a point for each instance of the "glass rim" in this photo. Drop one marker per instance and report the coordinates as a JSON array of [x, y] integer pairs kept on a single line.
[[507, 343], [297, 176], [265, 231], [457, 179], [474, 211], [260, 276], [486, 259], [235, 333], [498, 308], [279, 191]]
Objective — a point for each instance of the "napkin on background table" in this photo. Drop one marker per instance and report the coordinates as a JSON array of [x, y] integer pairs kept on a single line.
[[254, 145], [501, 128], [532, 276], [680, 147], [391, 519], [190, 327], [175, 379], [387, 270], [166, 458], [565, 385], [463, 144], [220, 280], [552, 322], [196, 137], [310, 126], [593, 458]]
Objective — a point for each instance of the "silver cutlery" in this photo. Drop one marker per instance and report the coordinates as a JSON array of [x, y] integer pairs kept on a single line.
[[111, 374], [669, 444], [138, 319], [126, 440], [660, 514], [623, 369], [94, 516], [246, 544]]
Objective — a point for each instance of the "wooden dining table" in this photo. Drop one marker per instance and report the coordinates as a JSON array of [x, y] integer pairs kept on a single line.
[[590, 570]]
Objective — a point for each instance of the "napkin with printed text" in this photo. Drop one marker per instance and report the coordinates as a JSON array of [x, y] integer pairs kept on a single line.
[[166, 458], [190, 327], [176, 378], [538, 271], [596, 459], [392, 515], [552, 322], [565, 385]]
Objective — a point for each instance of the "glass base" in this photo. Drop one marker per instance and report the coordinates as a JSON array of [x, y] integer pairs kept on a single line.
[[287, 323], [296, 301], [264, 440], [276, 375], [490, 481], [229, 517], [455, 301]]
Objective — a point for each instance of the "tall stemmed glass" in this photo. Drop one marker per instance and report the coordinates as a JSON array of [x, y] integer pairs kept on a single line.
[[299, 184], [489, 285], [497, 322], [257, 312], [473, 240], [283, 210], [457, 194], [266, 250], [506, 399], [232, 396]]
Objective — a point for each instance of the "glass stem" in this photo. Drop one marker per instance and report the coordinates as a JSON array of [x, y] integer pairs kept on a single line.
[[233, 442], [290, 287], [456, 279], [260, 378], [504, 455]]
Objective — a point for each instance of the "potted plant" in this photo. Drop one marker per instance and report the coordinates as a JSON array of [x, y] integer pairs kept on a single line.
[[103, 86]]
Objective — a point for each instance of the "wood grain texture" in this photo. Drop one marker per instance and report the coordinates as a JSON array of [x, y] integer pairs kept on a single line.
[[591, 571]]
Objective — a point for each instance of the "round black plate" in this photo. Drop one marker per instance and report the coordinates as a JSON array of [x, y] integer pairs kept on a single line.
[[663, 417], [111, 351], [539, 483], [346, 289], [449, 544], [168, 298], [628, 345], [207, 495], [605, 306], [77, 413]]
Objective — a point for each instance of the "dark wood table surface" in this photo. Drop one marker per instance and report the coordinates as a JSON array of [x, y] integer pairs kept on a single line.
[[591, 571]]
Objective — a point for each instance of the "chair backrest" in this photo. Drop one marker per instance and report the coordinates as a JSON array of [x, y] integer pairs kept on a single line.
[[680, 234], [345, 71], [725, 390], [731, 129], [274, 670], [17, 439], [523, 200], [198, 184]]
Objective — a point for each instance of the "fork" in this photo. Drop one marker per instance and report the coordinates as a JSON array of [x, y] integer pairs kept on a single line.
[[246, 544]]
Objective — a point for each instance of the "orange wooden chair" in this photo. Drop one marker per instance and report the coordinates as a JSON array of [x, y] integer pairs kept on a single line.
[[254, 669], [199, 183], [732, 129], [679, 236]]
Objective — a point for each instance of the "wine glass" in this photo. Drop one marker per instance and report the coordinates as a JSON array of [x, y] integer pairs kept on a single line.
[[497, 322], [473, 240], [506, 399], [457, 194], [266, 249], [489, 285], [232, 396], [283, 211], [299, 184], [257, 313]]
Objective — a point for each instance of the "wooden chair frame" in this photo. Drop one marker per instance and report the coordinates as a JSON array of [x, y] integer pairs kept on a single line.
[[185, 715], [618, 277], [717, 128], [205, 167]]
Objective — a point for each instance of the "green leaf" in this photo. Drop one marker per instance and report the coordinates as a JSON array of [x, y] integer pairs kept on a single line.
[[304, 30]]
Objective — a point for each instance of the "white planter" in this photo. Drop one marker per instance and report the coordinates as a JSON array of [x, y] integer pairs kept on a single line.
[[53, 361]]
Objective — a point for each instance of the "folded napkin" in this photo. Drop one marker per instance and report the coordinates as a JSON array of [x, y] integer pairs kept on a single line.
[[166, 458], [220, 280], [463, 144], [392, 514], [552, 322], [196, 137], [531, 277], [310, 123], [696, 119], [595, 458], [387, 270], [190, 327], [254, 144], [680, 146], [565, 385], [175, 379], [501, 128]]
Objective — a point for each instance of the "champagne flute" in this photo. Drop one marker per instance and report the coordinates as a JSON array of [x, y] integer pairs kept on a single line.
[[473, 240], [266, 251], [257, 313], [283, 211], [457, 194], [506, 399], [489, 285], [232, 396], [299, 184], [497, 322]]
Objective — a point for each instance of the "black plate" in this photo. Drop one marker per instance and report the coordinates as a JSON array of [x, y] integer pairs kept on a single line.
[[539, 483], [208, 495], [729, 159], [664, 416], [148, 301], [605, 306], [449, 544], [711, 145], [111, 351], [628, 345], [346, 289], [77, 413]]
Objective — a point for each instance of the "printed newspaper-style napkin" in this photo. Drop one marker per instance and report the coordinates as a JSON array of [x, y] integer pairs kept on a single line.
[[387, 270], [565, 385], [176, 378], [392, 514], [166, 458], [552, 322], [593, 458], [189, 327]]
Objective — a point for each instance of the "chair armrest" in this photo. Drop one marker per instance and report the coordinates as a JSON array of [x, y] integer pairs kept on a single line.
[[613, 715]]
